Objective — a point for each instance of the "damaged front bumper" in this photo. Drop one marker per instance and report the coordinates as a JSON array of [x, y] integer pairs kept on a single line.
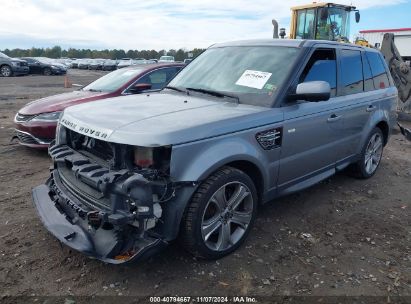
[[116, 228]]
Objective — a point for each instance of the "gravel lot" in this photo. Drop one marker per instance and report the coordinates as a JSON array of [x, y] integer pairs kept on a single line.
[[341, 237]]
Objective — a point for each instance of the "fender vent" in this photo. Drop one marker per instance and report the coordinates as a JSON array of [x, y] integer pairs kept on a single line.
[[270, 139]]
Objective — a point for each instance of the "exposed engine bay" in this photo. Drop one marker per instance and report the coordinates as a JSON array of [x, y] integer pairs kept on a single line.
[[114, 192]]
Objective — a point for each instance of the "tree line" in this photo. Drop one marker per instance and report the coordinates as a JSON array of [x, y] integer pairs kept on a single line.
[[58, 52]]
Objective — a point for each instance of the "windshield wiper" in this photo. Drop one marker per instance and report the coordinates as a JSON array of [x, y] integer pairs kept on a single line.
[[214, 93], [93, 90], [176, 89]]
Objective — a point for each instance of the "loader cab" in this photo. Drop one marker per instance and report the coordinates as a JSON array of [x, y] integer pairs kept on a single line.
[[322, 21]]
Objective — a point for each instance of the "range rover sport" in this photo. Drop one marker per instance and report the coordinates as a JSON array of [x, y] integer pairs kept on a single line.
[[244, 123]]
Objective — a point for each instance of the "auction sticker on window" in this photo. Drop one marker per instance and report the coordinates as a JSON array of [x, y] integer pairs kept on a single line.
[[253, 79]]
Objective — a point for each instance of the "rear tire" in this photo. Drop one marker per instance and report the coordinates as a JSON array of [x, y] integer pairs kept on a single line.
[[6, 71], [220, 214], [371, 155]]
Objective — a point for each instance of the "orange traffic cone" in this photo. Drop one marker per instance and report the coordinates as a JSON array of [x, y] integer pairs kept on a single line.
[[67, 83]]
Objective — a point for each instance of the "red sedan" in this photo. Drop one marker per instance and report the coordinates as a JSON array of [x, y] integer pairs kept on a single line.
[[36, 122]]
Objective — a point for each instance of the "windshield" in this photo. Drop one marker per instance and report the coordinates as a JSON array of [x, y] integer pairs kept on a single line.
[[3, 55], [253, 73], [166, 58], [333, 24], [113, 80]]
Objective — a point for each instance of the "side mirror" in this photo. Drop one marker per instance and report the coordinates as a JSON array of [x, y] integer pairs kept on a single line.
[[312, 91], [357, 16], [140, 87]]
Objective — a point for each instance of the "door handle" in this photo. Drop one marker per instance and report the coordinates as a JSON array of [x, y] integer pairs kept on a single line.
[[334, 118], [371, 108]]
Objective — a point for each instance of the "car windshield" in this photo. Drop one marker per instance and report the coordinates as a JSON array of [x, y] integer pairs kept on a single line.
[[2, 55], [251, 73], [113, 80]]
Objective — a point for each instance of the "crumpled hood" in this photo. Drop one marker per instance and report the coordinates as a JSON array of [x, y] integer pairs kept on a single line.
[[58, 102], [164, 118]]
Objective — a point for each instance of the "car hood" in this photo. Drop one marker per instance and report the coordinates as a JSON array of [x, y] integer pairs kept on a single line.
[[164, 118], [60, 102]]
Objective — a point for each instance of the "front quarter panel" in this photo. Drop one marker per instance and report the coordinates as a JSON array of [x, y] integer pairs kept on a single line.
[[195, 161]]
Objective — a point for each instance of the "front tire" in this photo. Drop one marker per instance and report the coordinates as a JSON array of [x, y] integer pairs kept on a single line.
[[6, 71], [220, 214], [371, 155]]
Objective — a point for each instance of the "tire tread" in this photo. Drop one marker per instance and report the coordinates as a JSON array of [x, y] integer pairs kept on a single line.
[[187, 233]]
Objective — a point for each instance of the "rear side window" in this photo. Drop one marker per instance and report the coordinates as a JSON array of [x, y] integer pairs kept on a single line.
[[368, 81], [378, 71], [322, 66], [351, 72]]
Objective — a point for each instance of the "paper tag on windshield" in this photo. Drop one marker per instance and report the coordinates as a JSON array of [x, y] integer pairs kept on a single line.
[[253, 79]]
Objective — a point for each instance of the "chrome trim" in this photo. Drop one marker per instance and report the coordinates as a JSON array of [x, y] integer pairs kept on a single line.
[[29, 117]]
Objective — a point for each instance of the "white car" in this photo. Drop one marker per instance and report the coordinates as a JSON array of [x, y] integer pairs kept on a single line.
[[166, 59]]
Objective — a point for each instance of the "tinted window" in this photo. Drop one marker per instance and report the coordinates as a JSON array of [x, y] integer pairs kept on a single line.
[[321, 66], [159, 78], [351, 72], [368, 81], [378, 70]]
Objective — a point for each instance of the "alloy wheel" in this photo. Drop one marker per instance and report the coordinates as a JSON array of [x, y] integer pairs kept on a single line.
[[373, 153], [5, 71], [226, 216]]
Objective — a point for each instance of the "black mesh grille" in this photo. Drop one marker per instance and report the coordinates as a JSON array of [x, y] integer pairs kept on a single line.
[[100, 149]]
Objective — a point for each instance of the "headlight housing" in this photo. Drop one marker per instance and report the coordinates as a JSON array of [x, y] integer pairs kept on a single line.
[[15, 63], [143, 157], [51, 117], [153, 157]]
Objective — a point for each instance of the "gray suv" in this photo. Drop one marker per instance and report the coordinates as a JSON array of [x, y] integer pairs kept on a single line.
[[243, 124], [12, 66]]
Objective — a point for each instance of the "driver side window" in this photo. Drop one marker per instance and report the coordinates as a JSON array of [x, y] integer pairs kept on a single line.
[[322, 66], [157, 79]]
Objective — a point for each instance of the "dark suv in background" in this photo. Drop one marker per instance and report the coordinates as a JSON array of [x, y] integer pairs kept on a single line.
[[44, 68], [12, 67]]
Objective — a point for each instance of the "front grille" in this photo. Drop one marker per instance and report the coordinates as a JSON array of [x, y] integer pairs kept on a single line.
[[23, 63], [26, 138], [82, 192], [101, 150], [22, 117]]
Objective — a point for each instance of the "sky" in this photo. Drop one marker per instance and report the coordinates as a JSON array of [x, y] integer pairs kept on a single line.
[[164, 24]]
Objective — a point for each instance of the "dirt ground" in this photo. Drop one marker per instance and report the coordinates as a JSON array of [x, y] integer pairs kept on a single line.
[[341, 237]]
